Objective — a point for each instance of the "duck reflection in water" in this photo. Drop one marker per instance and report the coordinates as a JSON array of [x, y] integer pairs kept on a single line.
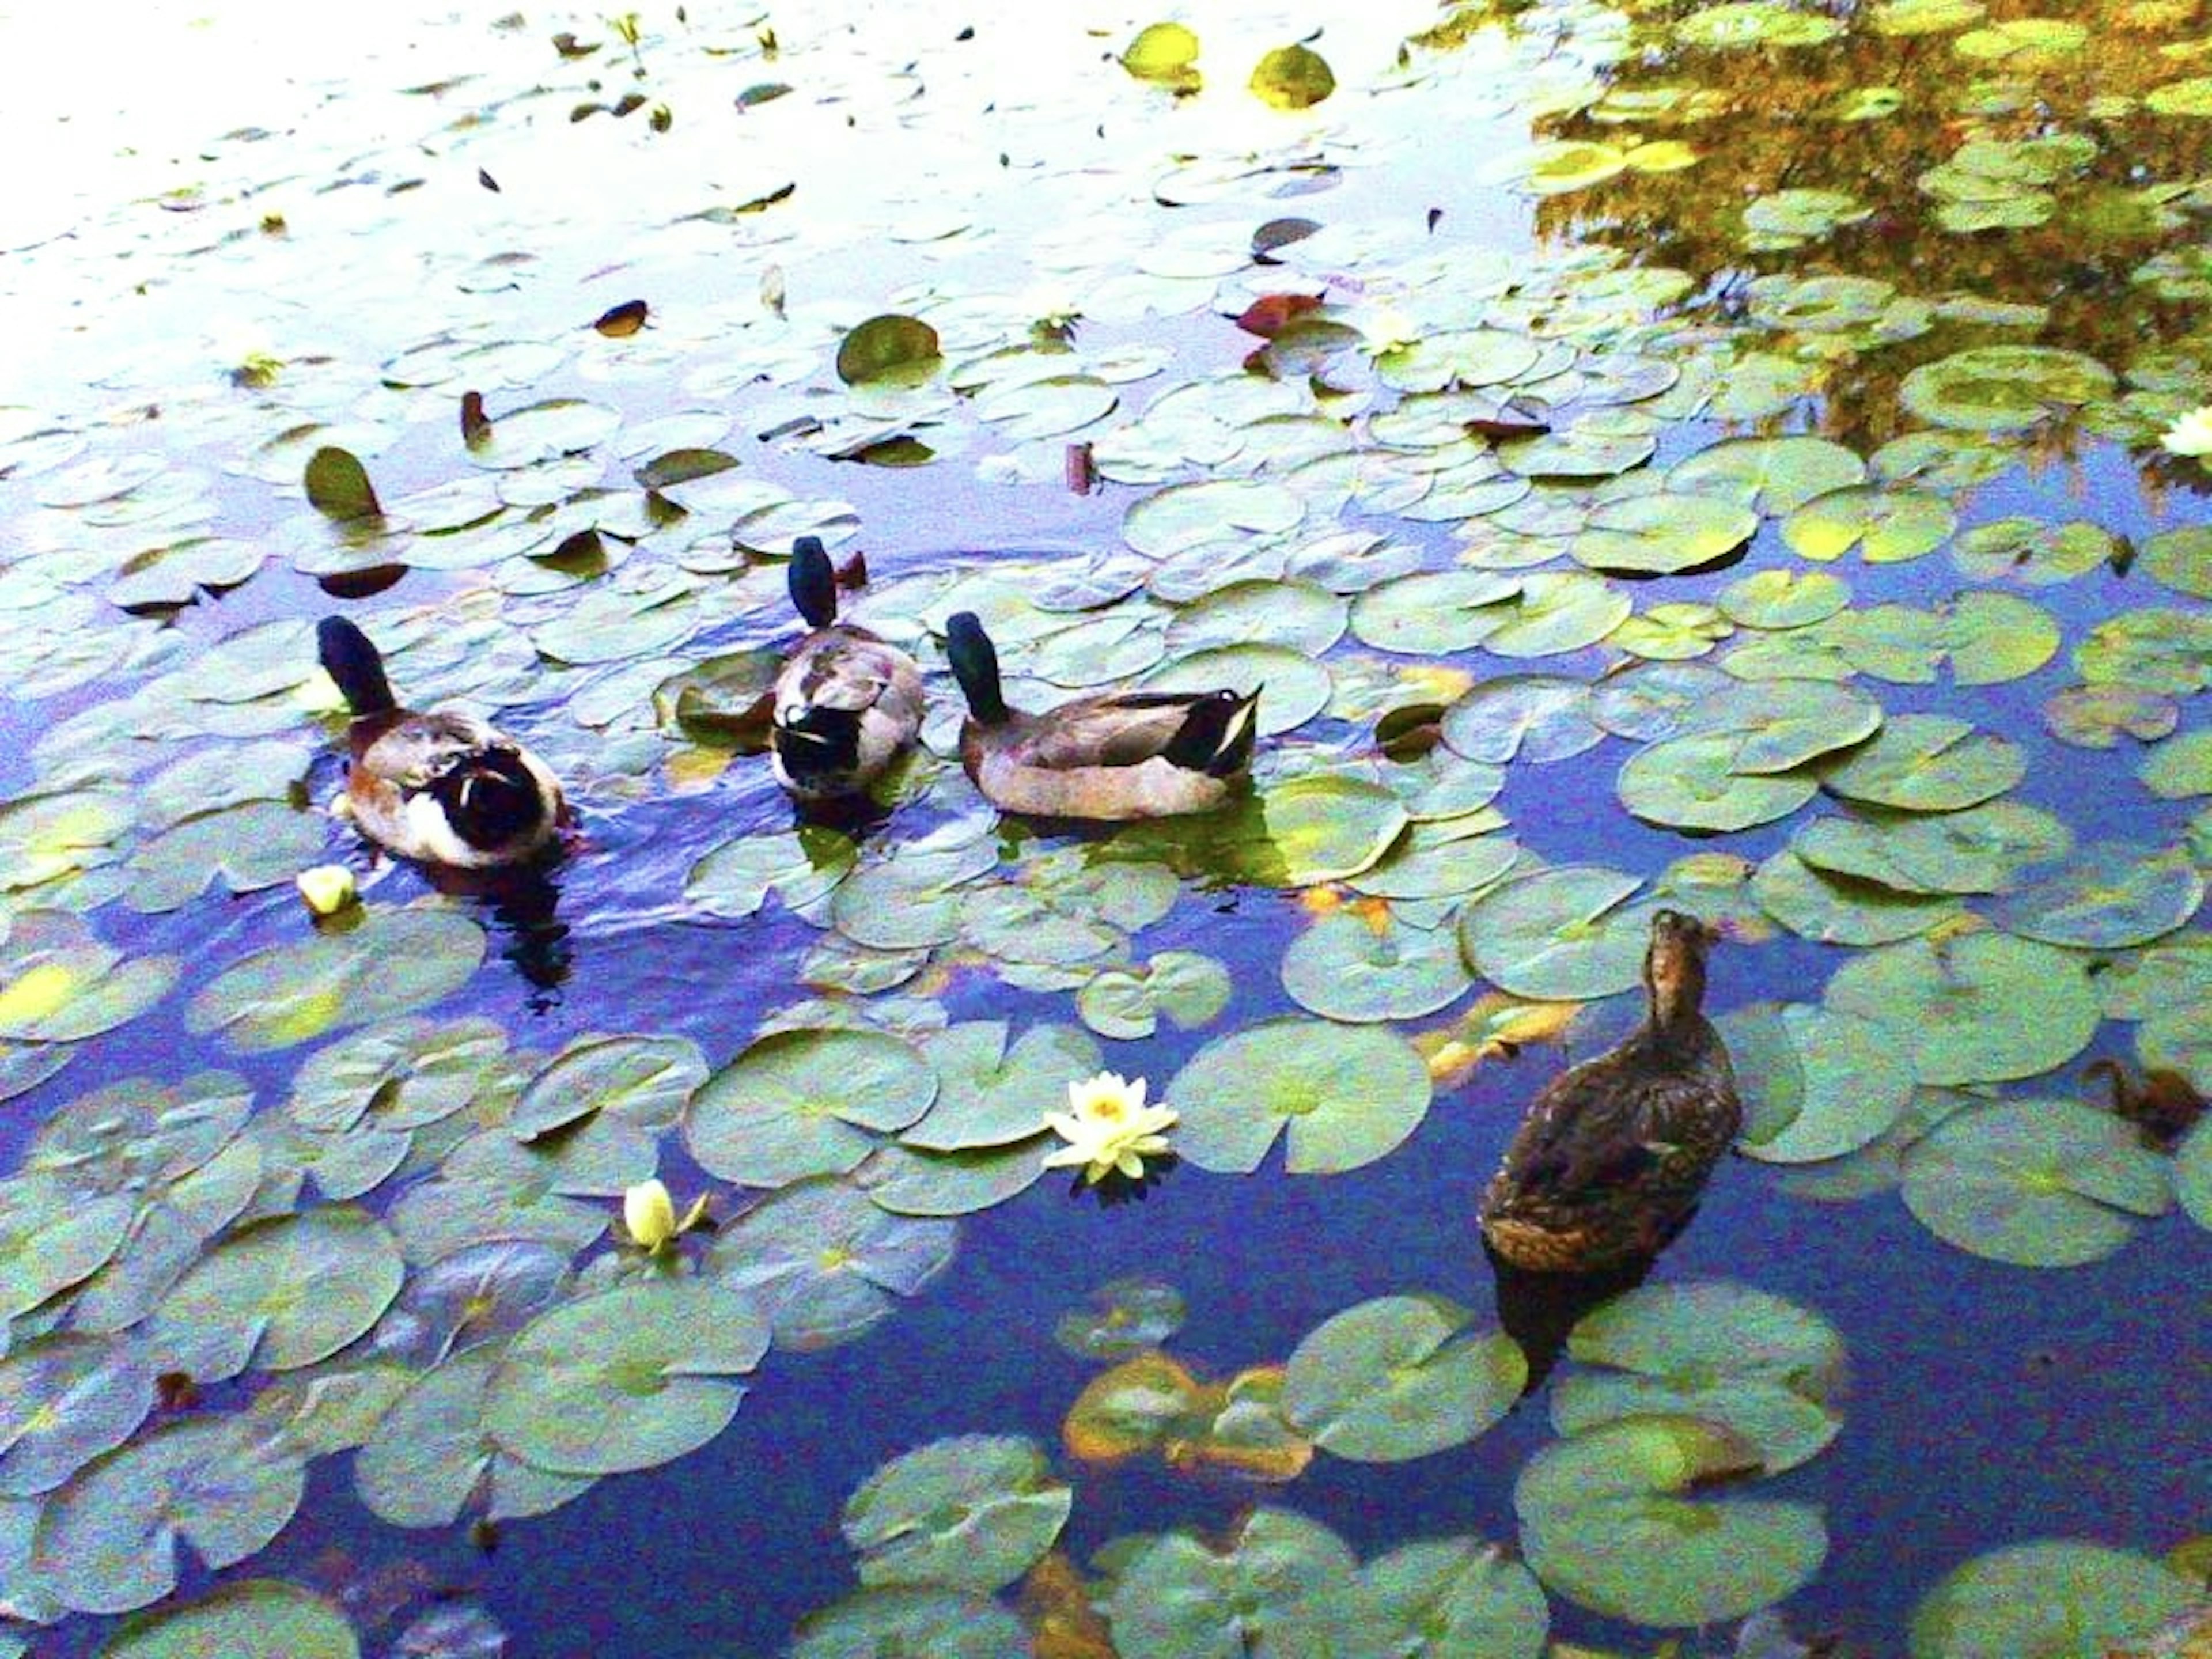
[[521, 908]]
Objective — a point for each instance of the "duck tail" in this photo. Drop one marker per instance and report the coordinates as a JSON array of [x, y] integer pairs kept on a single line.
[[1218, 735], [349, 657]]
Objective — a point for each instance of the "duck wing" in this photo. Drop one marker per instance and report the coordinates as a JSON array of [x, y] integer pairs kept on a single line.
[[845, 672], [420, 747], [1124, 728]]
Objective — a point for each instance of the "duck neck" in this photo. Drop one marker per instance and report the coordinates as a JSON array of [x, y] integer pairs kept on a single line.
[[1674, 998]]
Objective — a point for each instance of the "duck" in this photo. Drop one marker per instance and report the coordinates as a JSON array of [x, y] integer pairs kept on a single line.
[[1613, 1152], [846, 704], [441, 787], [1116, 757]]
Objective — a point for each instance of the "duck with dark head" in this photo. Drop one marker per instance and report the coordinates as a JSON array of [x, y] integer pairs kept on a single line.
[[441, 787], [1613, 1154], [846, 703]]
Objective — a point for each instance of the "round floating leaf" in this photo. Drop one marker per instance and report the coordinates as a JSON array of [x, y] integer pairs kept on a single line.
[[2192, 1174], [2034, 552], [1687, 784], [644, 1081], [281, 1295], [902, 351], [1386, 1381], [1123, 1317], [2040, 1183], [801, 866], [2004, 388], [626, 1379], [1223, 510], [1556, 613], [393, 962], [1928, 763], [1761, 1368], [1457, 1595], [1346, 967], [1318, 828], [338, 487], [1558, 166], [941, 1623], [1979, 850], [1190, 989], [824, 1262], [2097, 716], [1662, 533], [2108, 895], [1439, 860], [1783, 599], [1827, 1083], [1888, 526], [137, 1135], [432, 1457], [797, 1103], [483, 1293], [58, 983], [1292, 77], [1297, 687], [260, 844], [253, 1618], [1279, 1584], [1601, 1524], [110, 1536], [1818, 903], [1530, 717], [1300, 616], [989, 1095], [974, 1512], [2052, 1599], [403, 1075], [2180, 767], [1772, 474], [1434, 613], [1976, 1009], [1559, 935], [64, 1400], [1348, 1093]]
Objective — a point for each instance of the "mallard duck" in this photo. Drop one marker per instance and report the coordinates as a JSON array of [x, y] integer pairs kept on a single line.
[[441, 787], [1613, 1152], [846, 703], [1121, 755]]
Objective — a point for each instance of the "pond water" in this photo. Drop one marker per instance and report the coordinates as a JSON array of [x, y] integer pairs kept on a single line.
[[1662, 454]]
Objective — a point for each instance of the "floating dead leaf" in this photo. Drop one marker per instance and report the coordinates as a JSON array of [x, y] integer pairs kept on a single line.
[[621, 321]]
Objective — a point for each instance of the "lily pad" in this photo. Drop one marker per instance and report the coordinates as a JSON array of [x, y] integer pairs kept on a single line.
[[1278, 1583], [1976, 1009], [64, 1400], [941, 1623], [974, 1512], [1664, 532], [803, 1103], [253, 1618], [2108, 895], [1530, 717], [2040, 1183], [1602, 1524], [1439, 1597], [2003, 388], [1816, 1084], [1190, 989], [1686, 784], [1122, 1316], [1559, 935], [60, 984], [1928, 763], [2050, 1599], [990, 1095], [1347, 967], [625, 1379], [431, 1458], [824, 1263], [394, 962], [1758, 1366], [282, 1295], [1348, 1094], [1393, 1379]]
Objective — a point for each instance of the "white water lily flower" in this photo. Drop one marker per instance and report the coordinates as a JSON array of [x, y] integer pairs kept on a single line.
[[1109, 1126], [649, 1215], [2192, 434]]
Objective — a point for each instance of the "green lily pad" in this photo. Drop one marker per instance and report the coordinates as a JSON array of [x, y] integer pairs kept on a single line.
[[282, 1295], [138, 1136], [626, 1379], [1783, 599], [1439, 860], [1393, 1379], [989, 1095], [1343, 968], [260, 844], [1278, 1583], [638, 1081], [51, 1236], [1348, 1094], [2154, 649], [2040, 1183], [1816, 1084], [1556, 613], [2180, 767], [1978, 1009], [1297, 687], [1122, 1316], [64, 1400], [1443, 1597], [1434, 613], [112, 1535], [802, 1103], [481, 1293], [2003, 388], [908, 897], [337, 485], [406, 1074], [1888, 526], [1292, 77], [801, 866], [44, 837], [1559, 935], [2107, 896], [1686, 784], [2034, 552], [1757, 1366], [2192, 1174], [1928, 763], [253, 1618], [824, 1263], [972, 1512], [1531, 717], [2050, 1599], [1979, 850], [1301, 616], [431, 1458], [941, 1623], [1191, 990], [59, 983], [1769, 475], [2099, 716], [393, 962], [1602, 1524], [1839, 908], [1662, 533]]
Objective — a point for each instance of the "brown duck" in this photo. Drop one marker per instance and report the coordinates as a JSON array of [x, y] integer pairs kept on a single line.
[[1614, 1151]]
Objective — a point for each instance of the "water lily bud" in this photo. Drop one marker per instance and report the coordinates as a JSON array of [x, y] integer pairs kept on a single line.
[[650, 1215], [327, 888]]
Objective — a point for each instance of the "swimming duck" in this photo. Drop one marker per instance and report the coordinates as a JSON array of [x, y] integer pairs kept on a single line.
[[441, 787], [846, 703], [1121, 755], [1613, 1152]]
